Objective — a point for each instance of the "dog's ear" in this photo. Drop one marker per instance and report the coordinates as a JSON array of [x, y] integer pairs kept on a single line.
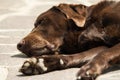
[[77, 13]]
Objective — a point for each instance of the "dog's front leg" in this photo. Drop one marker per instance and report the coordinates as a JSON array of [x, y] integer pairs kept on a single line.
[[99, 63], [54, 62]]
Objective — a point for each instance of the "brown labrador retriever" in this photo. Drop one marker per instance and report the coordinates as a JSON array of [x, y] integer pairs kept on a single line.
[[78, 28]]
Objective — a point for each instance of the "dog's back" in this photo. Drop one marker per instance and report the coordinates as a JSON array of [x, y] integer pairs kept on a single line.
[[103, 24]]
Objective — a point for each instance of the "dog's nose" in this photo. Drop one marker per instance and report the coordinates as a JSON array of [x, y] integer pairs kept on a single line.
[[21, 44]]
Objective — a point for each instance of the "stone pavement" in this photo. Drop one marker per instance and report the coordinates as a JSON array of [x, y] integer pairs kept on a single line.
[[16, 20]]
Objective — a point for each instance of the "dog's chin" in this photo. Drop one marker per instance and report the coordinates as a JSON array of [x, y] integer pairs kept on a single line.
[[39, 52]]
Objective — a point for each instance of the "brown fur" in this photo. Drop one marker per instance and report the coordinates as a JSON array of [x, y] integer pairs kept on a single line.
[[102, 27], [55, 30]]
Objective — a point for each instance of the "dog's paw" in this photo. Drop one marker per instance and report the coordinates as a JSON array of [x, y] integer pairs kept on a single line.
[[92, 69], [87, 73], [35, 66]]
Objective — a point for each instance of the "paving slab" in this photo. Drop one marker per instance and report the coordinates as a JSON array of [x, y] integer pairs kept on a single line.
[[16, 21], [11, 60], [12, 4], [13, 33], [3, 73], [38, 9], [8, 48], [5, 11], [114, 75], [10, 40]]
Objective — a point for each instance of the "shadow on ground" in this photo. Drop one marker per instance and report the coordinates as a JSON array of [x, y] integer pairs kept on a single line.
[[21, 55]]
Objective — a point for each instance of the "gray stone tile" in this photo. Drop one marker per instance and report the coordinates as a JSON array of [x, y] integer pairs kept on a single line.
[[14, 34], [8, 60], [12, 4], [17, 22], [8, 48], [113, 75], [5, 11], [37, 10], [11, 40], [20, 18], [12, 37], [3, 73], [47, 4]]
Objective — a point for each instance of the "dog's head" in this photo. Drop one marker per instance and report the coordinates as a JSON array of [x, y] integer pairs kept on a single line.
[[51, 28]]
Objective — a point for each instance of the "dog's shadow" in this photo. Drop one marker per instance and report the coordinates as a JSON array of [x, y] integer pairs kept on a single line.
[[22, 75], [113, 68], [20, 55]]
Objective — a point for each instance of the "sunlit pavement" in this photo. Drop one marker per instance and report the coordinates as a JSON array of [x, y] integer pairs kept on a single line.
[[16, 20]]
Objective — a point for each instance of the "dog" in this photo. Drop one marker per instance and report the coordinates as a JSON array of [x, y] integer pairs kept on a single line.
[[88, 35]]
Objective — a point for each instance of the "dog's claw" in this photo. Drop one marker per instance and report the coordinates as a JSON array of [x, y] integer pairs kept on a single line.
[[85, 78], [82, 75], [87, 72], [78, 78]]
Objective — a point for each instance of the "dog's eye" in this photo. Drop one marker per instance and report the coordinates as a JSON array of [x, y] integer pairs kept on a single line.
[[43, 21], [38, 23]]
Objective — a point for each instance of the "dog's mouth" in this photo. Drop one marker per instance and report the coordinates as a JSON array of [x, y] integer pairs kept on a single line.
[[40, 51]]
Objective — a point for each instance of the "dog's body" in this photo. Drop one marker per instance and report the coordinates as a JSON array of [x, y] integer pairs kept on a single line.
[[78, 28]]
